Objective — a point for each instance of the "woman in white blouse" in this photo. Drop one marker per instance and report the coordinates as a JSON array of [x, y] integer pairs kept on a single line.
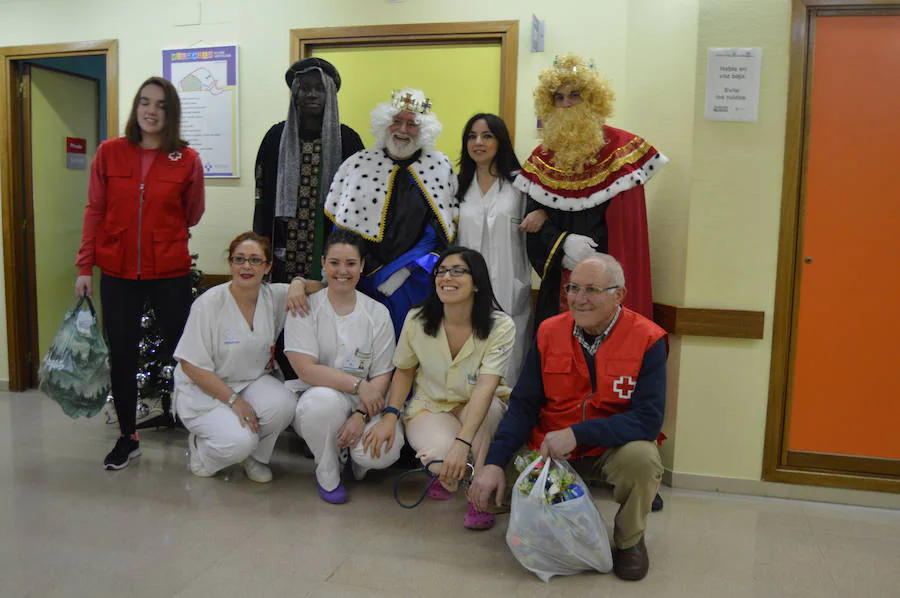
[[225, 393], [342, 354], [492, 221]]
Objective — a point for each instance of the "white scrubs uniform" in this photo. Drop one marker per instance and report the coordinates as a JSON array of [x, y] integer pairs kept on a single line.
[[217, 338], [489, 223], [361, 344]]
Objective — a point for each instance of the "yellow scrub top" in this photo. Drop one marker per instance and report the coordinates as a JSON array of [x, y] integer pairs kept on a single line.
[[443, 383]]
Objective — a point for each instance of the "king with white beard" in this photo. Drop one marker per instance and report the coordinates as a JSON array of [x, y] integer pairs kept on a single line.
[[400, 196]]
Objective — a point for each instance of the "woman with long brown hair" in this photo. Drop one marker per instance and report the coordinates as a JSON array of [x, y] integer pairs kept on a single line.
[[145, 192]]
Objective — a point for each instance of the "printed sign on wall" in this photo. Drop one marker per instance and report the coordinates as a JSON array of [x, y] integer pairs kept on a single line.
[[76, 153], [732, 84]]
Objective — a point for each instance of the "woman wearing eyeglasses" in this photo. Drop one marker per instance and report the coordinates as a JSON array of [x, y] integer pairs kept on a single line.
[[225, 391], [455, 347]]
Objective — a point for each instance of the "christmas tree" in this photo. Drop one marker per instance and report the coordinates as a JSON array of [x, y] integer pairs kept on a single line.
[[154, 377]]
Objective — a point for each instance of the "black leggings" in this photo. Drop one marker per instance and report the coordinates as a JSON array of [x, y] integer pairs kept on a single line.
[[123, 306]]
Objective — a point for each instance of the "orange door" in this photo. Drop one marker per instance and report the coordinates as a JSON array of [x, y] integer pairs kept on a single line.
[[845, 387]]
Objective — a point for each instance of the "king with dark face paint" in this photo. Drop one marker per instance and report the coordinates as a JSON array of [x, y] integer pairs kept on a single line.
[[294, 167]]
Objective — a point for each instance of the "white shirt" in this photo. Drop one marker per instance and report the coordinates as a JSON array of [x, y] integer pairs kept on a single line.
[[360, 343], [217, 338], [489, 223]]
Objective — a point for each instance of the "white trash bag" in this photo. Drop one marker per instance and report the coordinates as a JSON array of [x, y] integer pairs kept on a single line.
[[554, 526]]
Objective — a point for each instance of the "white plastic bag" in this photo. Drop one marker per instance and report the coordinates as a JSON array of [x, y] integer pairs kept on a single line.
[[556, 539]]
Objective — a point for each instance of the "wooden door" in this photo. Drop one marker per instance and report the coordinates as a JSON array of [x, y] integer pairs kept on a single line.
[[62, 106], [841, 398]]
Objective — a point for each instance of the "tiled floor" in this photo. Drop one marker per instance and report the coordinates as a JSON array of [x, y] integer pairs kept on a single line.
[[70, 529]]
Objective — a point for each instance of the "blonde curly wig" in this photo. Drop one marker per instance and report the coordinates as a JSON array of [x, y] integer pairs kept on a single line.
[[572, 69]]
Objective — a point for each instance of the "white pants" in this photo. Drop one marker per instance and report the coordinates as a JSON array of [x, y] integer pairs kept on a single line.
[[222, 441], [320, 413], [432, 434]]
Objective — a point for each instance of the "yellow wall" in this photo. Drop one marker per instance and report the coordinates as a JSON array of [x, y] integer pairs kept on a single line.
[[713, 210], [459, 81], [732, 248], [62, 106]]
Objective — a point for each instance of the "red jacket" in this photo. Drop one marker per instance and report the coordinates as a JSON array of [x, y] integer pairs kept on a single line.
[[567, 381], [139, 229]]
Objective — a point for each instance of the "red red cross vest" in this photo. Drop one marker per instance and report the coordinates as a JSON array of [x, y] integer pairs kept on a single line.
[[144, 232], [567, 381]]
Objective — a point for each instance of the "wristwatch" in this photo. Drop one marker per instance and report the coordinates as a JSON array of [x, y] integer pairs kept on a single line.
[[364, 415], [234, 397]]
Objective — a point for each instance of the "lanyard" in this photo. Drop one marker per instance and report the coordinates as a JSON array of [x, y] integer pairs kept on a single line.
[[432, 479]]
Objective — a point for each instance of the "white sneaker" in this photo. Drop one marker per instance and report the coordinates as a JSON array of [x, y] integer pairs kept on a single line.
[[256, 471], [359, 472], [197, 467]]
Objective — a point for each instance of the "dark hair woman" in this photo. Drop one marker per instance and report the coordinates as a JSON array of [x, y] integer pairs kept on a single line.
[[456, 348], [491, 213], [342, 353], [145, 192]]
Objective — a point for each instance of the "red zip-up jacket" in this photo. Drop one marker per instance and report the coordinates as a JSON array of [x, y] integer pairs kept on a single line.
[[570, 398], [136, 228]]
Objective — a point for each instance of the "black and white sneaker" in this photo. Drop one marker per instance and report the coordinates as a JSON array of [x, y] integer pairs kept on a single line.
[[125, 450]]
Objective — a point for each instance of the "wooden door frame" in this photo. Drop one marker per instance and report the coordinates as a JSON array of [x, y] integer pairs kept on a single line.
[[780, 465], [16, 256], [506, 33]]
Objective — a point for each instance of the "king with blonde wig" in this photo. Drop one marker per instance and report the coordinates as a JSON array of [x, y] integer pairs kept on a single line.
[[570, 69], [586, 183]]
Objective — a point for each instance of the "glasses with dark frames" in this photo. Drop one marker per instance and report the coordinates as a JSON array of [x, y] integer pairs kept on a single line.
[[253, 260], [454, 271]]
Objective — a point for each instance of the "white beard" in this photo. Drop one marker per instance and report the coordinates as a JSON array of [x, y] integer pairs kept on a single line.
[[399, 152]]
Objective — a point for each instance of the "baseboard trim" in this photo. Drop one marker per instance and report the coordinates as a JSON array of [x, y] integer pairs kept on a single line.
[[4, 384], [862, 498]]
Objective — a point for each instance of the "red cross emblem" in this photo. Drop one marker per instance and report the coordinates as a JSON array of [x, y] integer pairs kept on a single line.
[[624, 386]]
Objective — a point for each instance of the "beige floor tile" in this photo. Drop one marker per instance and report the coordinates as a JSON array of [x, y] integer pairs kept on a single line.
[[70, 529]]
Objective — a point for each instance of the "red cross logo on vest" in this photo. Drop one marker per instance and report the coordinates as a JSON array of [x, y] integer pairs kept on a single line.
[[624, 386]]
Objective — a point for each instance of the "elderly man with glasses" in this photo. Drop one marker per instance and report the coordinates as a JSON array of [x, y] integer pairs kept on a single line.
[[593, 392]]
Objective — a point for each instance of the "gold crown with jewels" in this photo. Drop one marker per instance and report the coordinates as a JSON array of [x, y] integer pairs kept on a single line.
[[405, 100]]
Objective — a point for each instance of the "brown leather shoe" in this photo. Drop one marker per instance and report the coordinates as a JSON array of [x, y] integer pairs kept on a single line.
[[631, 564]]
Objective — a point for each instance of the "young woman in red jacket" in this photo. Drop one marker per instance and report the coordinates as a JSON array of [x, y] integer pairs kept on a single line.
[[146, 190]]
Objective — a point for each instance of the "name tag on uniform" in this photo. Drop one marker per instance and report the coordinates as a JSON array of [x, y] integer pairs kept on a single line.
[[230, 337], [357, 364]]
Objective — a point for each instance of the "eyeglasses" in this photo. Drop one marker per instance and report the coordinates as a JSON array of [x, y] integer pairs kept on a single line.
[[454, 271], [254, 260], [589, 290]]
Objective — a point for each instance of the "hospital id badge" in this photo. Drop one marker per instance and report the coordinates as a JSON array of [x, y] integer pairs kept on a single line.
[[357, 364]]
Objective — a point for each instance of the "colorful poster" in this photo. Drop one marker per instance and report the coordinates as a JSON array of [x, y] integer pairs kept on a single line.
[[207, 83]]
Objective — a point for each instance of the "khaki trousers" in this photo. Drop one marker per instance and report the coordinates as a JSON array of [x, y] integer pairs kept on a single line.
[[635, 472]]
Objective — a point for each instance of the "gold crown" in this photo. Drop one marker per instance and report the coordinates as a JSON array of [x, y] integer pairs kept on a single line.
[[404, 100], [565, 64]]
